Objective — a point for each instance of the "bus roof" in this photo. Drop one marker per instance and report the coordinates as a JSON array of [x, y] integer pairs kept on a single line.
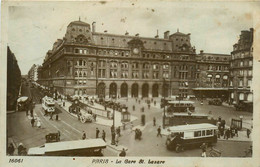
[[77, 144], [180, 102], [67, 145], [181, 128], [193, 114]]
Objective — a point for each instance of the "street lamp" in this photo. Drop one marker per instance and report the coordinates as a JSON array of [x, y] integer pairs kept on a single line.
[[164, 103], [113, 135]]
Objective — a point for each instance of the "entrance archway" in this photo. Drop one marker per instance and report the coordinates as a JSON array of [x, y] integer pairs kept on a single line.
[[113, 90], [155, 90], [101, 90], [134, 90], [165, 88], [124, 90], [145, 90]]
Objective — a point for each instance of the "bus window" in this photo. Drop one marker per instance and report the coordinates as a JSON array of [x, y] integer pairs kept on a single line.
[[209, 132], [215, 132], [188, 135], [197, 133], [203, 133], [182, 134]]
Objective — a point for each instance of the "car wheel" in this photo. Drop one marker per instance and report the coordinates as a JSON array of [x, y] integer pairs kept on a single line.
[[178, 149], [168, 145]]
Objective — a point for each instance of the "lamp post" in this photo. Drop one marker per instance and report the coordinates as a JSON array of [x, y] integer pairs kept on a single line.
[[164, 103], [113, 135]]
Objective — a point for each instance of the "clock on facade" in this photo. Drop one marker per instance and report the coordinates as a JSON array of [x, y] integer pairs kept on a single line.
[[136, 50]]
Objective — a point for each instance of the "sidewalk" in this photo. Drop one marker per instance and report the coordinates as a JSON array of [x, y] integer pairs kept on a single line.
[[101, 120]]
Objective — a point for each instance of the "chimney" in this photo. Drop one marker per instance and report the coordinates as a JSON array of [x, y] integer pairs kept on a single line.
[[126, 33], [137, 35], [157, 36], [94, 27], [201, 51], [166, 34]]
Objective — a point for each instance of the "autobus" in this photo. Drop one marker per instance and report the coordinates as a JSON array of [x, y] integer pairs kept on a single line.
[[180, 106], [187, 136], [173, 119], [89, 147], [48, 104]]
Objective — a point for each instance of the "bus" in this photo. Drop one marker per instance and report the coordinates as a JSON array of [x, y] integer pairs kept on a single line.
[[48, 104], [187, 136], [180, 106], [172, 119], [89, 147]]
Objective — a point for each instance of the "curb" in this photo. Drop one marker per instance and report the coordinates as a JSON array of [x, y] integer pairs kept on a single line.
[[11, 112], [235, 140]]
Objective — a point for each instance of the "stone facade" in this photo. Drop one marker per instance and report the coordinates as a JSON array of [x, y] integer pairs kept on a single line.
[[241, 69], [110, 65], [212, 76]]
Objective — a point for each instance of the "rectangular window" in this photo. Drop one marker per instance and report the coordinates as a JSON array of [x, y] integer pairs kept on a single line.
[[197, 133], [241, 82], [249, 83], [208, 132]]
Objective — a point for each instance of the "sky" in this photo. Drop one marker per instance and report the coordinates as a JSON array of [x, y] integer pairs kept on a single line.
[[214, 26]]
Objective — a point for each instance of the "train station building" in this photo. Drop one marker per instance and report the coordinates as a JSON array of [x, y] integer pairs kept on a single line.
[[114, 65]]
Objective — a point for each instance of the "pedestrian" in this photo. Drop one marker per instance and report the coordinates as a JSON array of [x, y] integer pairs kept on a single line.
[[132, 127], [248, 133], [57, 117], [228, 133], [97, 133], [154, 121], [136, 100], [149, 106], [10, 149], [117, 139], [118, 131], [203, 149], [38, 123], [159, 131], [232, 132], [236, 131], [139, 101], [154, 103], [123, 153], [133, 107], [104, 135], [51, 114], [32, 121], [95, 117], [31, 111], [84, 135], [20, 148]]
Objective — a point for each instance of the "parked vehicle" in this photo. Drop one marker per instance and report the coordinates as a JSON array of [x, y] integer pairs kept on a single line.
[[244, 106], [186, 136], [48, 104], [216, 102], [22, 103], [89, 147], [52, 137]]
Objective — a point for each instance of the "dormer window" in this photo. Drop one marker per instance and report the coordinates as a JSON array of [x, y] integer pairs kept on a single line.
[[80, 30], [73, 29], [87, 31]]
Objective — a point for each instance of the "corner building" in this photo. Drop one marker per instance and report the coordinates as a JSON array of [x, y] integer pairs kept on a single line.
[[110, 65], [241, 69], [212, 76]]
